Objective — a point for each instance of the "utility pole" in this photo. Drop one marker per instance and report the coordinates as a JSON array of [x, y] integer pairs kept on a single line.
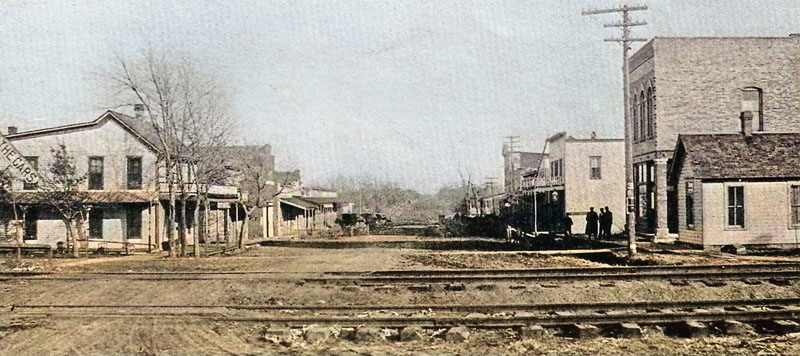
[[489, 183], [626, 41], [512, 142]]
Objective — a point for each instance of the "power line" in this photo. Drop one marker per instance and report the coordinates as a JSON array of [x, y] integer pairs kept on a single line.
[[625, 25]]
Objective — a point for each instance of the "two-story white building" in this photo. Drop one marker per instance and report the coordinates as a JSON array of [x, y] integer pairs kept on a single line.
[[121, 156], [576, 174]]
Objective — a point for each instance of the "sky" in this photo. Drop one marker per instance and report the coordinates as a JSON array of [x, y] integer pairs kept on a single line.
[[421, 93]]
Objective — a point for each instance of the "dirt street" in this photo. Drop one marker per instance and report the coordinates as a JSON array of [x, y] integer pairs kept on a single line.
[[186, 335]]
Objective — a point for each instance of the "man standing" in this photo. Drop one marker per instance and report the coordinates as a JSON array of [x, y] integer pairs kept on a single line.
[[591, 223], [602, 219], [609, 222], [567, 225]]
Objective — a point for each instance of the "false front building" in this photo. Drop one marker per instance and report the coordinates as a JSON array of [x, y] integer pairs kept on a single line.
[[575, 175]]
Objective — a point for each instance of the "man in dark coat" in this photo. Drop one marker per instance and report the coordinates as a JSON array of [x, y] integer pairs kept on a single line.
[[609, 222], [567, 225], [591, 223], [602, 221]]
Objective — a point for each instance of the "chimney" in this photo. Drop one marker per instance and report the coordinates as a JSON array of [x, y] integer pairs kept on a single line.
[[12, 130], [747, 123], [138, 110]]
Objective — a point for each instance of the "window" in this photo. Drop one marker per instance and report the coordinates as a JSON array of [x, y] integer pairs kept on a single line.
[[95, 173], [133, 223], [594, 167], [736, 206], [34, 162], [689, 204], [650, 122], [96, 223], [642, 116], [31, 217], [635, 117], [134, 172], [753, 100], [555, 169], [795, 209]]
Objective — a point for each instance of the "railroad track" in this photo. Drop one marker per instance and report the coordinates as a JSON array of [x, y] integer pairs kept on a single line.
[[781, 272], [496, 315]]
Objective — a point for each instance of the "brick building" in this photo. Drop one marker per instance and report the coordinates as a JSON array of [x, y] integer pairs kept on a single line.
[[699, 86]]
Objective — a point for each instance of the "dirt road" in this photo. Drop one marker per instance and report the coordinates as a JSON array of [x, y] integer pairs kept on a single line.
[[188, 336]]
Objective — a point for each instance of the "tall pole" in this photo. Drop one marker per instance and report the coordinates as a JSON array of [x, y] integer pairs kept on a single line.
[[626, 41]]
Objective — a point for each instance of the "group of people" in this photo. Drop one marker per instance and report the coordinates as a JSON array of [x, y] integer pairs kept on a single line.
[[596, 225], [599, 225]]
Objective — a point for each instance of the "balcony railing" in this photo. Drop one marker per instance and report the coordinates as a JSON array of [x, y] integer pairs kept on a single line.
[[542, 182]]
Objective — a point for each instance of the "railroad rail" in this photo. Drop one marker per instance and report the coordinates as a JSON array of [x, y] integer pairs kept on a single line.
[[502, 315], [782, 272]]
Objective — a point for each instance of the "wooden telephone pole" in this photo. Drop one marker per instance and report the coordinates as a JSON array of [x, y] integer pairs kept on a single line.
[[626, 41]]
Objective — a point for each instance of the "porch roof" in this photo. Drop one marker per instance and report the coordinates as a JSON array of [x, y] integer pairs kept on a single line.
[[88, 197]]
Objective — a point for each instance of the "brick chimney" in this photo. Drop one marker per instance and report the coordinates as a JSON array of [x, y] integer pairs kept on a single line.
[[747, 123], [12, 130], [138, 110]]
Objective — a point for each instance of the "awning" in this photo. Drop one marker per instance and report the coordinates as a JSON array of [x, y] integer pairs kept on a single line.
[[87, 197]]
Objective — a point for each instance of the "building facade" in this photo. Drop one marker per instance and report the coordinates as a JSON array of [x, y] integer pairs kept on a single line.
[[740, 188], [515, 163], [699, 86], [125, 191], [577, 174]]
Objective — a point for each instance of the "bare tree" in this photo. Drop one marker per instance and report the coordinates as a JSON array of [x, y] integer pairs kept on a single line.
[[188, 111], [260, 184], [62, 191]]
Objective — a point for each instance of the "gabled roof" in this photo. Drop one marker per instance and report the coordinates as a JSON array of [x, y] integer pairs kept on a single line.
[[140, 128], [733, 156]]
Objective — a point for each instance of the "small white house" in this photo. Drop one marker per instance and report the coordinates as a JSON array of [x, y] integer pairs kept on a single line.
[[738, 188]]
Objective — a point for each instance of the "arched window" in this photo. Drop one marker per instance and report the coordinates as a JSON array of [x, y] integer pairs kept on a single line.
[[650, 121], [635, 117], [642, 116], [753, 100]]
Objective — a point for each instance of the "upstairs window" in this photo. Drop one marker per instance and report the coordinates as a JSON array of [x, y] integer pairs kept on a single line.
[[134, 172], [95, 173], [642, 117], [635, 117], [650, 122], [555, 169], [736, 207], [34, 162], [594, 167], [753, 100], [795, 208]]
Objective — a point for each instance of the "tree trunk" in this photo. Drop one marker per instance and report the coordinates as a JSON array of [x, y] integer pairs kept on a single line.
[[197, 229], [182, 226], [226, 229], [244, 231], [71, 232], [171, 229]]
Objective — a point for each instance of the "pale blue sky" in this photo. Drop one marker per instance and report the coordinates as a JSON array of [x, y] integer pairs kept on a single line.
[[409, 91]]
